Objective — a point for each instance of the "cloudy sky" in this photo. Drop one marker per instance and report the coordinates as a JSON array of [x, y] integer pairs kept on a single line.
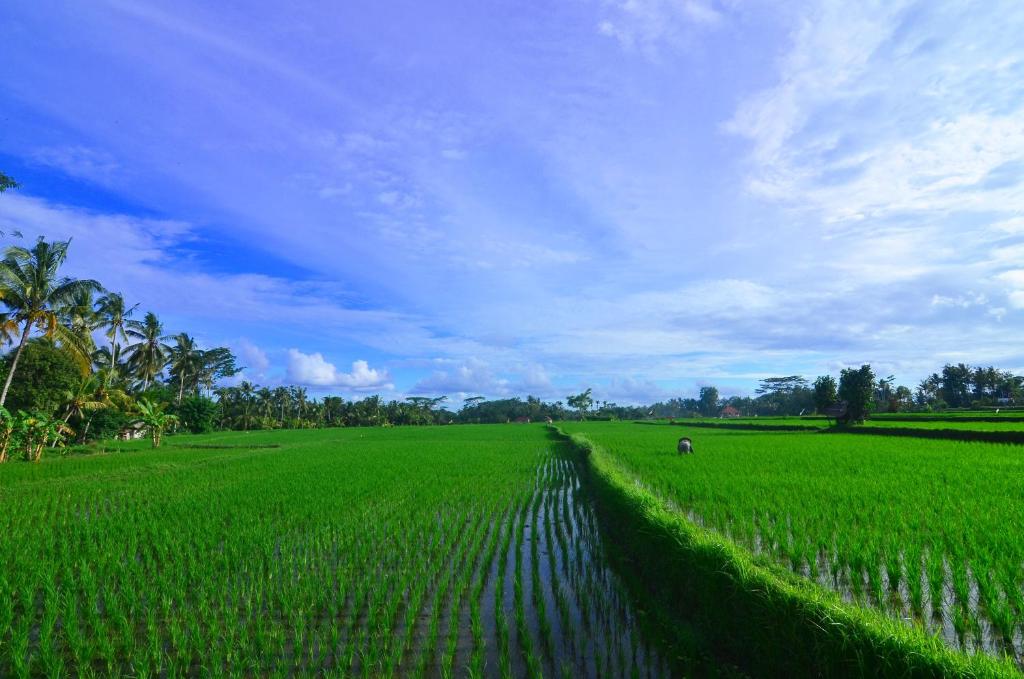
[[508, 197]]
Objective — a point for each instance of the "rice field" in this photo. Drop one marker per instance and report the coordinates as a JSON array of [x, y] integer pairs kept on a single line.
[[1005, 413], [448, 551], [905, 422], [927, 531]]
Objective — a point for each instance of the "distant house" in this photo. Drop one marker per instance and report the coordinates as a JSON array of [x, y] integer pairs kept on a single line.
[[132, 432], [522, 420], [729, 411]]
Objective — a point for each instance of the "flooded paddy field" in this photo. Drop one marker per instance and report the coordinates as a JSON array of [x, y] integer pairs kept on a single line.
[[923, 531], [469, 551]]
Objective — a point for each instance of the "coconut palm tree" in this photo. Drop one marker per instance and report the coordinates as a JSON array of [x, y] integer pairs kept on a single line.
[[80, 317], [246, 391], [282, 399], [185, 361], [265, 402], [9, 329], [33, 291], [298, 395], [148, 356], [83, 398], [114, 314], [91, 395]]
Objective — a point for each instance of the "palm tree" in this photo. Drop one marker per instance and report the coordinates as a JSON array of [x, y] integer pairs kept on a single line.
[[299, 397], [32, 291], [80, 318], [111, 308], [246, 391], [80, 315], [282, 398], [265, 402], [101, 396], [332, 405], [9, 329], [82, 398], [148, 356], [185, 361], [87, 397]]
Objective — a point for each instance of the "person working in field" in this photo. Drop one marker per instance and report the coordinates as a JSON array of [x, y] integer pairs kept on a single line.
[[685, 446]]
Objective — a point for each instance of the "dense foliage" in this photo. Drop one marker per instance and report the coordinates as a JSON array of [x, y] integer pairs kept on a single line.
[[46, 376], [61, 376], [856, 387]]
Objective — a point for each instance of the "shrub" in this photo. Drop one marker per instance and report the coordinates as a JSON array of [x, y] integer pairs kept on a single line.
[[45, 375], [198, 414], [856, 387]]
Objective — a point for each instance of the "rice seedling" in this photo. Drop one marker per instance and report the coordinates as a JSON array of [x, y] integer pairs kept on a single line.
[[379, 552], [919, 529]]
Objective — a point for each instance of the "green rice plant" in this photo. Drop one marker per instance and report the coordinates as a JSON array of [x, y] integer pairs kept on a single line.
[[868, 493], [333, 552]]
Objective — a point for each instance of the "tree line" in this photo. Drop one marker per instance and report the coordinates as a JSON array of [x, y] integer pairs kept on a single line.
[[60, 385], [861, 392]]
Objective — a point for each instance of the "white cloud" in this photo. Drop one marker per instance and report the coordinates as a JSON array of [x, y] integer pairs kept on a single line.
[[253, 359], [147, 260], [1013, 284], [962, 301], [364, 377], [78, 161], [315, 371], [535, 380], [648, 24], [591, 225], [470, 376], [631, 390], [877, 113]]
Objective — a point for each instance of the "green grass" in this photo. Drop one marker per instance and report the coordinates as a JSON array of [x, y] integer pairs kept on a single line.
[[345, 552], [903, 422], [919, 529]]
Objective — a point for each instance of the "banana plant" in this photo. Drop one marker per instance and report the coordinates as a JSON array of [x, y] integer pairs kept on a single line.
[[36, 430], [7, 431], [152, 415]]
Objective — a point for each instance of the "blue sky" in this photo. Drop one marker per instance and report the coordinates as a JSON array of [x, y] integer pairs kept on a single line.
[[497, 198]]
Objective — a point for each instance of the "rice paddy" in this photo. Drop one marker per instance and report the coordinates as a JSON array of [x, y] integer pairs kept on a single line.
[[904, 422], [477, 551], [362, 552], [927, 531]]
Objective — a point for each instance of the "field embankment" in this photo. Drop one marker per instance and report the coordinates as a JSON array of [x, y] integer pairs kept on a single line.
[[764, 617]]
